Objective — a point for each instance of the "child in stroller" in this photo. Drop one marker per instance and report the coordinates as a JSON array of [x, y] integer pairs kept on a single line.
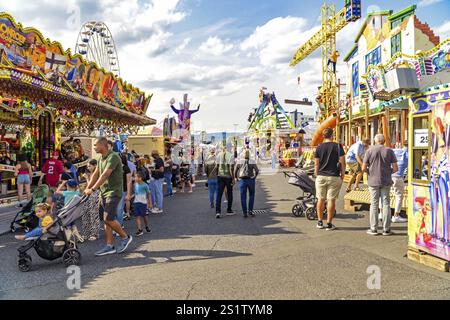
[[55, 240], [43, 212], [26, 219], [305, 205]]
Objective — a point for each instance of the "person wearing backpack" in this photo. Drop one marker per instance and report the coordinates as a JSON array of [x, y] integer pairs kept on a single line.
[[225, 179], [246, 173]]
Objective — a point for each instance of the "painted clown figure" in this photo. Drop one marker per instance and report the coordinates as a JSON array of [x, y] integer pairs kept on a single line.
[[184, 114]]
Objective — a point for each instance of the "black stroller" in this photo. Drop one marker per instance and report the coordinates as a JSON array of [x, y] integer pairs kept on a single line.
[[58, 241], [26, 219], [305, 205]]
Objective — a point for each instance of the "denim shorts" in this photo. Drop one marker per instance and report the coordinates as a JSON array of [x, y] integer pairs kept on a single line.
[[23, 179]]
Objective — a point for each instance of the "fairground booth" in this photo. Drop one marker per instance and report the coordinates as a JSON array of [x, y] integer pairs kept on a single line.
[[420, 85], [47, 93]]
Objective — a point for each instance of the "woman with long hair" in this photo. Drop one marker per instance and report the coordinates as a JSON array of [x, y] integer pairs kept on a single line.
[[24, 175]]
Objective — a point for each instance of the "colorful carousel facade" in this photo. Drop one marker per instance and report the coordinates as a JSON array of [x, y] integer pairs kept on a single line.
[[47, 93]]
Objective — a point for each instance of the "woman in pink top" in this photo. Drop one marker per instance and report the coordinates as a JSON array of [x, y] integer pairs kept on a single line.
[[24, 175]]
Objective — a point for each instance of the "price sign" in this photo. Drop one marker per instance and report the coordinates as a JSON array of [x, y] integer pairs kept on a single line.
[[421, 138]]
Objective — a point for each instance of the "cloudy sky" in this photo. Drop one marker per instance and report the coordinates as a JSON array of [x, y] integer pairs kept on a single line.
[[221, 52]]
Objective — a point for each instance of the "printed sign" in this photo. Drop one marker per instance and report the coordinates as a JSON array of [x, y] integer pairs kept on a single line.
[[421, 138]]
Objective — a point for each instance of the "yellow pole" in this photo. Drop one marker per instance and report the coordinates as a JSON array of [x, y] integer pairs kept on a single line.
[[350, 115], [367, 119], [388, 133], [338, 111]]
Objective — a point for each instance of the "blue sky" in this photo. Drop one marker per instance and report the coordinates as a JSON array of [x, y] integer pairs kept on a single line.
[[221, 52], [249, 14]]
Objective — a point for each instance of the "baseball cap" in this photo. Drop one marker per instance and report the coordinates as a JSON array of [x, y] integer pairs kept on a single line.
[[72, 183]]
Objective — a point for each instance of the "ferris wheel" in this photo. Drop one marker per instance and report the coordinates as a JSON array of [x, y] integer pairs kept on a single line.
[[95, 43]]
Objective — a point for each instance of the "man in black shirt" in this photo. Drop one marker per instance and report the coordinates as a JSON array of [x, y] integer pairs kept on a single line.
[[157, 182], [330, 172]]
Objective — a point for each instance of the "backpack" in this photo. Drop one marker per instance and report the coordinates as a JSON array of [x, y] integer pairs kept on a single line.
[[244, 171]]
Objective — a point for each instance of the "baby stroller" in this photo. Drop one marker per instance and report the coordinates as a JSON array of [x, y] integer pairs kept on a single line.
[[58, 241], [305, 205], [26, 219]]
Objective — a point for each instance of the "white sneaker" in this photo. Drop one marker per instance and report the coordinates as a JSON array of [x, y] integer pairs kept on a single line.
[[399, 220]]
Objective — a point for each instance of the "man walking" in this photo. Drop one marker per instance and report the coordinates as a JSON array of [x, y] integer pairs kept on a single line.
[[246, 173], [398, 179], [225, 180], [354, 160], [329, 165], [381, 164], [108, 178]]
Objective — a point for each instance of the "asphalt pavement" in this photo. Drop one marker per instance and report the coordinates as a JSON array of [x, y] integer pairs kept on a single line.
[[192, 255]]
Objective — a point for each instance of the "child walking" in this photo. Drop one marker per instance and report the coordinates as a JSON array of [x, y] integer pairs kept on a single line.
[[142, 201]]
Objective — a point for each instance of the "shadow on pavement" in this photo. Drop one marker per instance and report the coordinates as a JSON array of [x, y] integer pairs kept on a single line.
[[186, 216]]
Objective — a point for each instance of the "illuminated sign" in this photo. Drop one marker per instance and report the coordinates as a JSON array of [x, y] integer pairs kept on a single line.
[[11, 35]]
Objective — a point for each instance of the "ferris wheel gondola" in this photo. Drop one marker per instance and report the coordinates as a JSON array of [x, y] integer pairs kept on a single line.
[[95, 43]]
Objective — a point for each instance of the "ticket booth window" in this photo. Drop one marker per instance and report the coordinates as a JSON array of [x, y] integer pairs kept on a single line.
[[421, 148]]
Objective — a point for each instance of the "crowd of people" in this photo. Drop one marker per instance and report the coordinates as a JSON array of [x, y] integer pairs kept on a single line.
[[386, 169], [123, 186]]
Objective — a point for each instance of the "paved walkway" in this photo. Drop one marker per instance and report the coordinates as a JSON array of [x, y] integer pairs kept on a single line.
[[191, 255]]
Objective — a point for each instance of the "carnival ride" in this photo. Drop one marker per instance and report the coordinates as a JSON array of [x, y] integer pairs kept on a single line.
[[96, 43], [269, 117], [332, 23]]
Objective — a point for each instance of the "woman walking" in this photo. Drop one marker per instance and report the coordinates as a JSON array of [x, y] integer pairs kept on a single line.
[[91, 217], [125, 204], [211, 172], [168, 175], [24, 175]]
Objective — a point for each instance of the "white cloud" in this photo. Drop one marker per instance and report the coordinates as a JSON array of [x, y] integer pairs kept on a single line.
[[222, 75], [426, 3], [443, 30], [215, 46], [277, 40], [179, 50]]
